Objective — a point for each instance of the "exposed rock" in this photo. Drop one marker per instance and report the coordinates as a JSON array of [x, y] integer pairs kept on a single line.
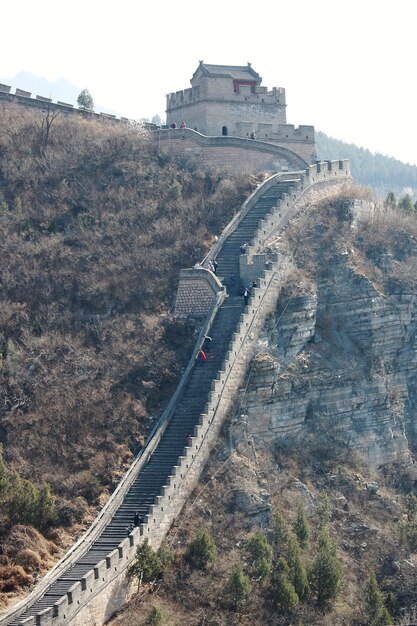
[[355, 385], [249, 494]]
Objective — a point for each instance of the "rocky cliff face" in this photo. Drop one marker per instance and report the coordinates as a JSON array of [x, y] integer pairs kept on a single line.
[[338, 362]]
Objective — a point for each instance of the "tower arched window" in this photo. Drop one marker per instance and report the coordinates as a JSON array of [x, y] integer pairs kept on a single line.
[[225, 131]]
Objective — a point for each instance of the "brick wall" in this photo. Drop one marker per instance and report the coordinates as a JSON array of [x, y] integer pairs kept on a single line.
[[197, 292], [233, 154]]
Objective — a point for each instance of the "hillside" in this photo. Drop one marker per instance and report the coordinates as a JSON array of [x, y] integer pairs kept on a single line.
[[321, 442], [315, 463], [382, 173], [94, 228]]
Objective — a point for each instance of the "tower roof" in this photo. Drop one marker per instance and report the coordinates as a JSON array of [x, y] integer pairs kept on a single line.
[[236, 72]]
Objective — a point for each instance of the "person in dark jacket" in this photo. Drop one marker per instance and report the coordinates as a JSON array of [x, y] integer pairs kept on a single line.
[[137, 519], [207, 343]]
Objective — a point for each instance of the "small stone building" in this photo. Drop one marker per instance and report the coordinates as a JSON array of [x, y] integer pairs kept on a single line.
[[230, 100]]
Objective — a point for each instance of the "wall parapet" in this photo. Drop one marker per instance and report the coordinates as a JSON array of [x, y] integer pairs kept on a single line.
[[197, 290], [228, 141], [321, 172], [192, 95], [25, 98]]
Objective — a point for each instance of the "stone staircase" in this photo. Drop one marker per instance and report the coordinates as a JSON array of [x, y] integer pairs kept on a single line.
[[186, 416], [228, 257]]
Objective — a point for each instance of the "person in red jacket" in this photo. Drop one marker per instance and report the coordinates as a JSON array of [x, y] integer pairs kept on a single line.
[[201, 357]]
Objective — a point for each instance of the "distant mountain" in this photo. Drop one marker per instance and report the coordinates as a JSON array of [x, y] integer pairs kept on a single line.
[[60, 89], [382, 173]]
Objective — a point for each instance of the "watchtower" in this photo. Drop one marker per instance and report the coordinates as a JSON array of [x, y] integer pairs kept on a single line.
[[230, 100]]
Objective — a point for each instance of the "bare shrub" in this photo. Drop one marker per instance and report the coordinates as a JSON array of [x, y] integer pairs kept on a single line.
[[23, 538], [13, 577], [71, 511], [29, 560]]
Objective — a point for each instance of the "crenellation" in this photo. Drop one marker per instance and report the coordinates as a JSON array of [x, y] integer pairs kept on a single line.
[[231, 101]]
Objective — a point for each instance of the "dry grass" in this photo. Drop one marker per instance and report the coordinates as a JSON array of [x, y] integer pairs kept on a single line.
[[95, 227]]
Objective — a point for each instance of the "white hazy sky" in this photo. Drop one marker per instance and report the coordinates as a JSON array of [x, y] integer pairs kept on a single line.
[[348, 67]]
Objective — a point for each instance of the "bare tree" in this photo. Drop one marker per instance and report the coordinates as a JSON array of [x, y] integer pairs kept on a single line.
[[45, 127]]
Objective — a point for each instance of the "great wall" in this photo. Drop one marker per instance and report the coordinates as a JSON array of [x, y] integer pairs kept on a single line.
[[24, 98], [91, 581]]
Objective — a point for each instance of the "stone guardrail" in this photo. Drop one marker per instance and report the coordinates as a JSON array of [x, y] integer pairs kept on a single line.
[[25, 98], [246, 207], [228, 141], [320, 175], [185, 475], [105, 515], [200, 285], [323, 172]]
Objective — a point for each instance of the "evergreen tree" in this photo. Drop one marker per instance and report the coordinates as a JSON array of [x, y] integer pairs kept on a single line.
[[85, 100], [155, 616], [45, 512], [411, 506], [390, 201], [4, 476], [280, 528], [378, 615], [21, 500], [298, 572], [285, 595], [301, 527], [326, 573], [146, 565], [201, 550], [263, 568], [260, 554], [239, 586], [324, 510], [405, 203]]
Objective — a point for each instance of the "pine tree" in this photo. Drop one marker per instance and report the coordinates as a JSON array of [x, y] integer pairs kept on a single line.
[[21, 500], [378, 615], [326, 574], [147, 565], [324, 509], [260, 554], [301, 527], [285, 595], [405, 203], [155, 616], [4, 476], [298, 572], [239, 586], [390, 200], [202, 550], [411, 506], [45, 512], [85, 100], [280, 528]]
